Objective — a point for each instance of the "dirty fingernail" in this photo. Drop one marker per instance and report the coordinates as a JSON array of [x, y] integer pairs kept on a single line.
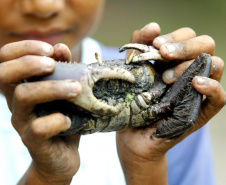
[[46, 48], [169, 75], [68, 121], [74, 88], [200, 80], [47, 62], [170, 47], [161, 40]]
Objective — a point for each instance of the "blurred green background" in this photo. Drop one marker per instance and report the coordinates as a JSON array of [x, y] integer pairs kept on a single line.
[[206, 17]]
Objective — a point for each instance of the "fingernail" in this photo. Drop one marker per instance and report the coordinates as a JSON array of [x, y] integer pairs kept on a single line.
[[161, 40], [46, 48], [74, 88], [200, 80], [169, 75], [152, 24], [144, 27], [170, 47], [68, 121], [47, 62]]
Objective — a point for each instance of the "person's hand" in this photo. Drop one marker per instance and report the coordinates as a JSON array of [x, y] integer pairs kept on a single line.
[[138, 152], [55, 158]]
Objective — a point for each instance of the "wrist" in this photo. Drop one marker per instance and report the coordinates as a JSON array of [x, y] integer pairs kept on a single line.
[[33, 176], [150, 169]]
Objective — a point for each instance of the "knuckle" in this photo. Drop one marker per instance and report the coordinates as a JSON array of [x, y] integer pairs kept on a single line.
[[33, 64], [215, 86], [3, 52], [59, 89], [217, 93], [28, 45], [20, 94], [28, 60], [24, 139], [15, 124], [37, 130], [56, 89], [134, 36], [3, 79]]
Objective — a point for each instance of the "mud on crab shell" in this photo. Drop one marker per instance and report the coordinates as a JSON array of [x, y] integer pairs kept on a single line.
[[128, 93]]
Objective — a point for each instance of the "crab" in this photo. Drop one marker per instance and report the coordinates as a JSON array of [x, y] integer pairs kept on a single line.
[[128, 93]]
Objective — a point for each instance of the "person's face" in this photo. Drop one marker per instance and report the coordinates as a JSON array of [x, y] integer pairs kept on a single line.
[[52, 21]]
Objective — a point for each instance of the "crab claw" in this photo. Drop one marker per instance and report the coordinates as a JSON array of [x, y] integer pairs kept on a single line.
[[87, 76], [88, 101], [184, 101], [148, 53]]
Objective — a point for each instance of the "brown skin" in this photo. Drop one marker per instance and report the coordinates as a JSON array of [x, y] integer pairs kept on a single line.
[[136, 149], [71, 21], [55, 159], [51, 21]]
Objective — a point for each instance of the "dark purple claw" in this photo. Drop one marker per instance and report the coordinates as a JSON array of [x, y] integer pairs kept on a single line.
[[184, 101]]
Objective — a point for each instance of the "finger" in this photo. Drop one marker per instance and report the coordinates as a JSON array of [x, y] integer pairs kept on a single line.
[[188, 49], [179, 35], [146, 35], [46, 127], [61, 53], [27, 47], [215, 98], [28, 95], [173, 74], [15, 71], [214, 102], [217, 68]]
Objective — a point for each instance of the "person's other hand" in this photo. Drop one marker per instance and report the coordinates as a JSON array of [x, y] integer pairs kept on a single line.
[[55, 158], [138, 152]]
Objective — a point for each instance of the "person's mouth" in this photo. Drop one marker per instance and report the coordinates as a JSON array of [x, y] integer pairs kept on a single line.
[[51, 36]]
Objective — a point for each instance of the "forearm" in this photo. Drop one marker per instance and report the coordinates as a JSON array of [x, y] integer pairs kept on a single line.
[[32, 177]]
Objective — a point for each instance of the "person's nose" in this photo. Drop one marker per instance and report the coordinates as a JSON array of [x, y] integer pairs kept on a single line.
[[42, 8]]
